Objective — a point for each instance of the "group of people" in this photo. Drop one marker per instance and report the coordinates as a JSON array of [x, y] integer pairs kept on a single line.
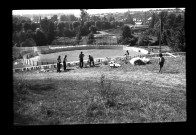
[[91, 61], [160, 61], [81, 64], [59, 63]]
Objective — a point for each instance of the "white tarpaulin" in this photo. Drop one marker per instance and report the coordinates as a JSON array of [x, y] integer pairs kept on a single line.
[[139, 61]]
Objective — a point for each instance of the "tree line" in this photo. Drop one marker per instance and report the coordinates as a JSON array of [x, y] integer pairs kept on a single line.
[[172, 32], [28, 33]]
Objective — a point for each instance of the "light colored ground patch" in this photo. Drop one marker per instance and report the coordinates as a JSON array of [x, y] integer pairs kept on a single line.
[[157, 79]]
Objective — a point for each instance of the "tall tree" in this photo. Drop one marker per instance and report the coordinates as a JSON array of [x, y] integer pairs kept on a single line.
[[72, 18], [44, 25], [33, 26], [51, 32], [83, 16], [126, 32], [40, 37], [64, 18], [54, 18], [75, 24], [152, 22], [98, 24], [130, 19]]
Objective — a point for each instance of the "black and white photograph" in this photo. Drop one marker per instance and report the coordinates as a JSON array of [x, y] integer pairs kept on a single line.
[[98, 66]]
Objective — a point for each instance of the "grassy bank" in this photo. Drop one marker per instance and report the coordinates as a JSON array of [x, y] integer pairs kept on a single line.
[[130, 94]]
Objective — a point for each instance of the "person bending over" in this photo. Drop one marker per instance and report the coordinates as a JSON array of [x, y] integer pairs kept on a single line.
[[91, 60]]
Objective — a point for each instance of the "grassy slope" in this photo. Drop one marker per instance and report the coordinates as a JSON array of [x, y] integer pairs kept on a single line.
[[142, 95]]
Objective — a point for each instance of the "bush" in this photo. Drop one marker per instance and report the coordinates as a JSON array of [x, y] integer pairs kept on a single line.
[[93, 29], [28, 43], [103, 43], [90, 39]]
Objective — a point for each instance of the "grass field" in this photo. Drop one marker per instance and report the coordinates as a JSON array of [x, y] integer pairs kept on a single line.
[[129, 94], [74, 55]]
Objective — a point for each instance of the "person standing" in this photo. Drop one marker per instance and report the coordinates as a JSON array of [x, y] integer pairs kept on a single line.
[[59, 64], [91, 60], [161, 62], [127, 52], [81, 57], [64, 62]]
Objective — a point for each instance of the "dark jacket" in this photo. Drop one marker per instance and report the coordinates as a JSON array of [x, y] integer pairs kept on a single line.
[[81, 56]]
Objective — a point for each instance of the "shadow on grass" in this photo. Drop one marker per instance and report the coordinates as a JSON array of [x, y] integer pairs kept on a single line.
[[20, 120], [67, 70], [172, 72]]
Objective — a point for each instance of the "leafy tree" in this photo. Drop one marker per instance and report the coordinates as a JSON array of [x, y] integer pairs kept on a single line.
[[64, 18], [130, 19], [106, 25], [176, 39], [95, 18], [29, 42], [171, 21], [54, 18], [27, 26], [93, 29], [22, 36], [143, 40], [152, 22], [75, 24], [44, 25], [83, 16], [70, 26], [69, 33], [72, 18], [40, 37], [16, 23], [111, 18], [113, 24], [98, 24], [127, 37], [51, 33], [30, 34], [92, 23], [126, 32], [121, 24], [87, 24], [66, 25], [60, 27], [91, 38], [34, 26], [78, 37]]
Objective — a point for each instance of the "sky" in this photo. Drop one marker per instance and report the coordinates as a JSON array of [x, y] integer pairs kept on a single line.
[[76, 12]]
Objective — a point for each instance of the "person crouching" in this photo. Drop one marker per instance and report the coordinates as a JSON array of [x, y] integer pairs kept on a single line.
[[91, 61]]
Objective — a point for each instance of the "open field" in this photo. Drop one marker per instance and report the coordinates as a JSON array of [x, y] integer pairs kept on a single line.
[[117, 32], [74, 55], [129, 94]]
